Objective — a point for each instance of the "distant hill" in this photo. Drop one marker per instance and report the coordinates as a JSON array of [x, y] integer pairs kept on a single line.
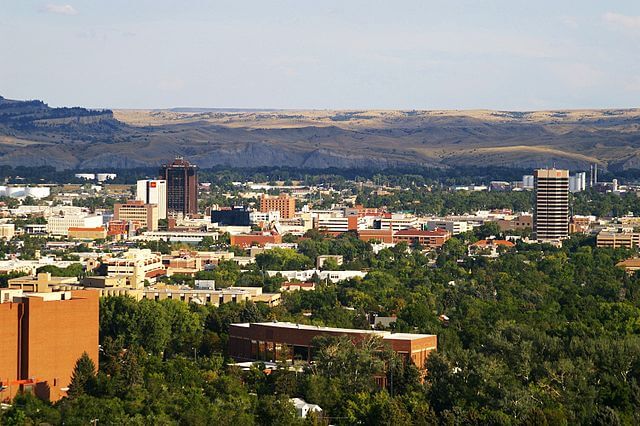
[[32, 133]]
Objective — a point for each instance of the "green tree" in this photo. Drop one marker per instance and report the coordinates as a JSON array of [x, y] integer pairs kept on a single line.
[[83, 376]]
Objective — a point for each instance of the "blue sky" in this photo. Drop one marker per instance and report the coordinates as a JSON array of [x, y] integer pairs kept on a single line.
[[393, 54]]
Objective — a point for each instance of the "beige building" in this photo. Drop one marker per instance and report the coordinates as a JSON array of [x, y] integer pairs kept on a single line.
[[60, 224], [522, 221], [210, 296], [98, 233], [112, 286], [137, 265], [138, 211], [630, 265], [43, 283], [612, 239], [7, 231]]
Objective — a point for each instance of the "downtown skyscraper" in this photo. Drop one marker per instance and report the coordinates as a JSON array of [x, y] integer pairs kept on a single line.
[[182, 187], [551, 210]]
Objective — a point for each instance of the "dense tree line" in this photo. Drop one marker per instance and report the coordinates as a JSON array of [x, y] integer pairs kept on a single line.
[[540, 335]]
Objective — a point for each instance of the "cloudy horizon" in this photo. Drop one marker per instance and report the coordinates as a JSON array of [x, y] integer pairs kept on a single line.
[[329, 55]]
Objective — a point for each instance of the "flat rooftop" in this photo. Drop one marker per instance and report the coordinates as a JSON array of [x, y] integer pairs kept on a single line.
[[292, 326]]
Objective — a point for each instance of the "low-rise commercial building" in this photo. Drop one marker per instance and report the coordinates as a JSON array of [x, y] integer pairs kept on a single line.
[[210, 296], [99, 233], [255, 239], [284, 341], [430, 239], [379, 235], [521, 222]]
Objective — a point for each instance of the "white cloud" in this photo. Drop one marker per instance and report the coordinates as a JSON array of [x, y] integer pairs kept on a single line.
[[625, 21], [61, 9]]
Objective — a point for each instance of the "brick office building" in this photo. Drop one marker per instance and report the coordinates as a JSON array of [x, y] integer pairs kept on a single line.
[[282, 203], [42, 335], [431, 239], [284, 341]]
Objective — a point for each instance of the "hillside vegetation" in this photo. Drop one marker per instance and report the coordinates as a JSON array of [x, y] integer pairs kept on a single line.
[[33, 134]]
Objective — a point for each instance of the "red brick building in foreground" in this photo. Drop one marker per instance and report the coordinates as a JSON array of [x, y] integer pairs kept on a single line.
[[282, 341], [42, 335]]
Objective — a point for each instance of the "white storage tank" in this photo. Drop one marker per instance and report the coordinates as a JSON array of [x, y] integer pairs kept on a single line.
[[105, 176], [38, 192], [15, 191]]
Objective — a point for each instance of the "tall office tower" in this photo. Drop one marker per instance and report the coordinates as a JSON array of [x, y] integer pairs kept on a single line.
[[551, 214], [153, 192], [182, 187]]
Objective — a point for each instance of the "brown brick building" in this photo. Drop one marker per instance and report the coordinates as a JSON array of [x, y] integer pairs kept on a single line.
[[182, 187], [283, 203], [431, 239], [257, 239], [284, 341], [42, 335]]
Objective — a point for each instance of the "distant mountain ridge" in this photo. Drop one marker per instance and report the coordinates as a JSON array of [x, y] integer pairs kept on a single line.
[[34, 134]]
